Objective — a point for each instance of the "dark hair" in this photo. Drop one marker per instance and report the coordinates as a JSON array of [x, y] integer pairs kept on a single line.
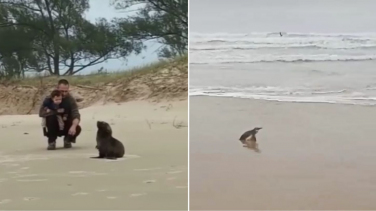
[[63, 81], [55, 93]]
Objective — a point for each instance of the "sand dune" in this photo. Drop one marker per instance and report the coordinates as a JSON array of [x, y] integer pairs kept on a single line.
[[152, 175]]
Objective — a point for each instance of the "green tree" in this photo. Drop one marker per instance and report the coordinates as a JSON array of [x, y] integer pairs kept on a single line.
[[61, 38], [16, 51], [162, 20]]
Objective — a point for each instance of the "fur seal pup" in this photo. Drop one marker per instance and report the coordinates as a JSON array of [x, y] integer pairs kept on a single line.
[[108, 146], [248, 138]]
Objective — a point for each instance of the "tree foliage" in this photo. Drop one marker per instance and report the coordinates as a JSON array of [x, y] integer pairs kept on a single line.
[[16, 49], [53, 35], [163, 20]]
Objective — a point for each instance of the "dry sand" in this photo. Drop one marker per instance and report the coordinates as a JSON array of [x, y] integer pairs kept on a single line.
[[313, 156], [153, 174]]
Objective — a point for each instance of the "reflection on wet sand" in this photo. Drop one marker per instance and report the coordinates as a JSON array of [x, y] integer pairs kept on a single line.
[[251, 144]]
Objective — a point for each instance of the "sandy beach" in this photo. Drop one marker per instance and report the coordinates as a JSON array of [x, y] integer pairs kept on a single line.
[[153, 175], [313, 156]]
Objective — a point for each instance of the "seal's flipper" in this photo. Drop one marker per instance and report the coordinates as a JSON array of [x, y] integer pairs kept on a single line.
[[97, 157]]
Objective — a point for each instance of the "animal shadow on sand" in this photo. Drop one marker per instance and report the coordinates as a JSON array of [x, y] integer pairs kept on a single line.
[[108, 146]]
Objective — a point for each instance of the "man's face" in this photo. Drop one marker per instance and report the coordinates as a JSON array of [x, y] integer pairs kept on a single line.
[[64, 89], [57, 100]]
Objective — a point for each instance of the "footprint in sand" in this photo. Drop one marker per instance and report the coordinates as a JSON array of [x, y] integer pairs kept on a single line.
[[149, 181], [30, 198], [174, 172], [26, 175], [4, 201], [85, 173], [102, 190], [112, 197], [25, 168], [180, 187], [77, 172], [137, 194], [32, 180], [78, 175], [11, 164], [80, 194], [171, 178], [150, 169]]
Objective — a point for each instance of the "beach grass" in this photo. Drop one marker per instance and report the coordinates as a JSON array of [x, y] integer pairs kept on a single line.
[[95, 78]]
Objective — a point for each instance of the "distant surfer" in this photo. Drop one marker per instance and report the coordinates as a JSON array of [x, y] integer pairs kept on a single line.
[[280, 34]]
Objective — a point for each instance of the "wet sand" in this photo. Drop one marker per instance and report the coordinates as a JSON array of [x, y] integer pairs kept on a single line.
[[153, 175], [313, 156]]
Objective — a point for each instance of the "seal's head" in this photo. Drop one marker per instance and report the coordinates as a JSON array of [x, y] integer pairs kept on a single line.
[[256, 129], [104, 127]]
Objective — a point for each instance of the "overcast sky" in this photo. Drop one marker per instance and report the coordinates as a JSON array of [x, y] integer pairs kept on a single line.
[[245, 16]]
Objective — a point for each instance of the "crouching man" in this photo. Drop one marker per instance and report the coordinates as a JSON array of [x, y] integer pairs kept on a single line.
[[71, 128]]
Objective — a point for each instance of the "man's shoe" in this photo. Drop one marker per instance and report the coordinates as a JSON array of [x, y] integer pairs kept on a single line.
[[51, 146], [67, 144], [70, 139]]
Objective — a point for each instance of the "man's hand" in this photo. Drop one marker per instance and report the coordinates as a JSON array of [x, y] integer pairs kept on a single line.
[[72, 130], [47, 110], [60, 110]]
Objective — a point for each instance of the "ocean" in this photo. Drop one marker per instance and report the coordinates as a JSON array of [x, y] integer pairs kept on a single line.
[[284, 50]]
